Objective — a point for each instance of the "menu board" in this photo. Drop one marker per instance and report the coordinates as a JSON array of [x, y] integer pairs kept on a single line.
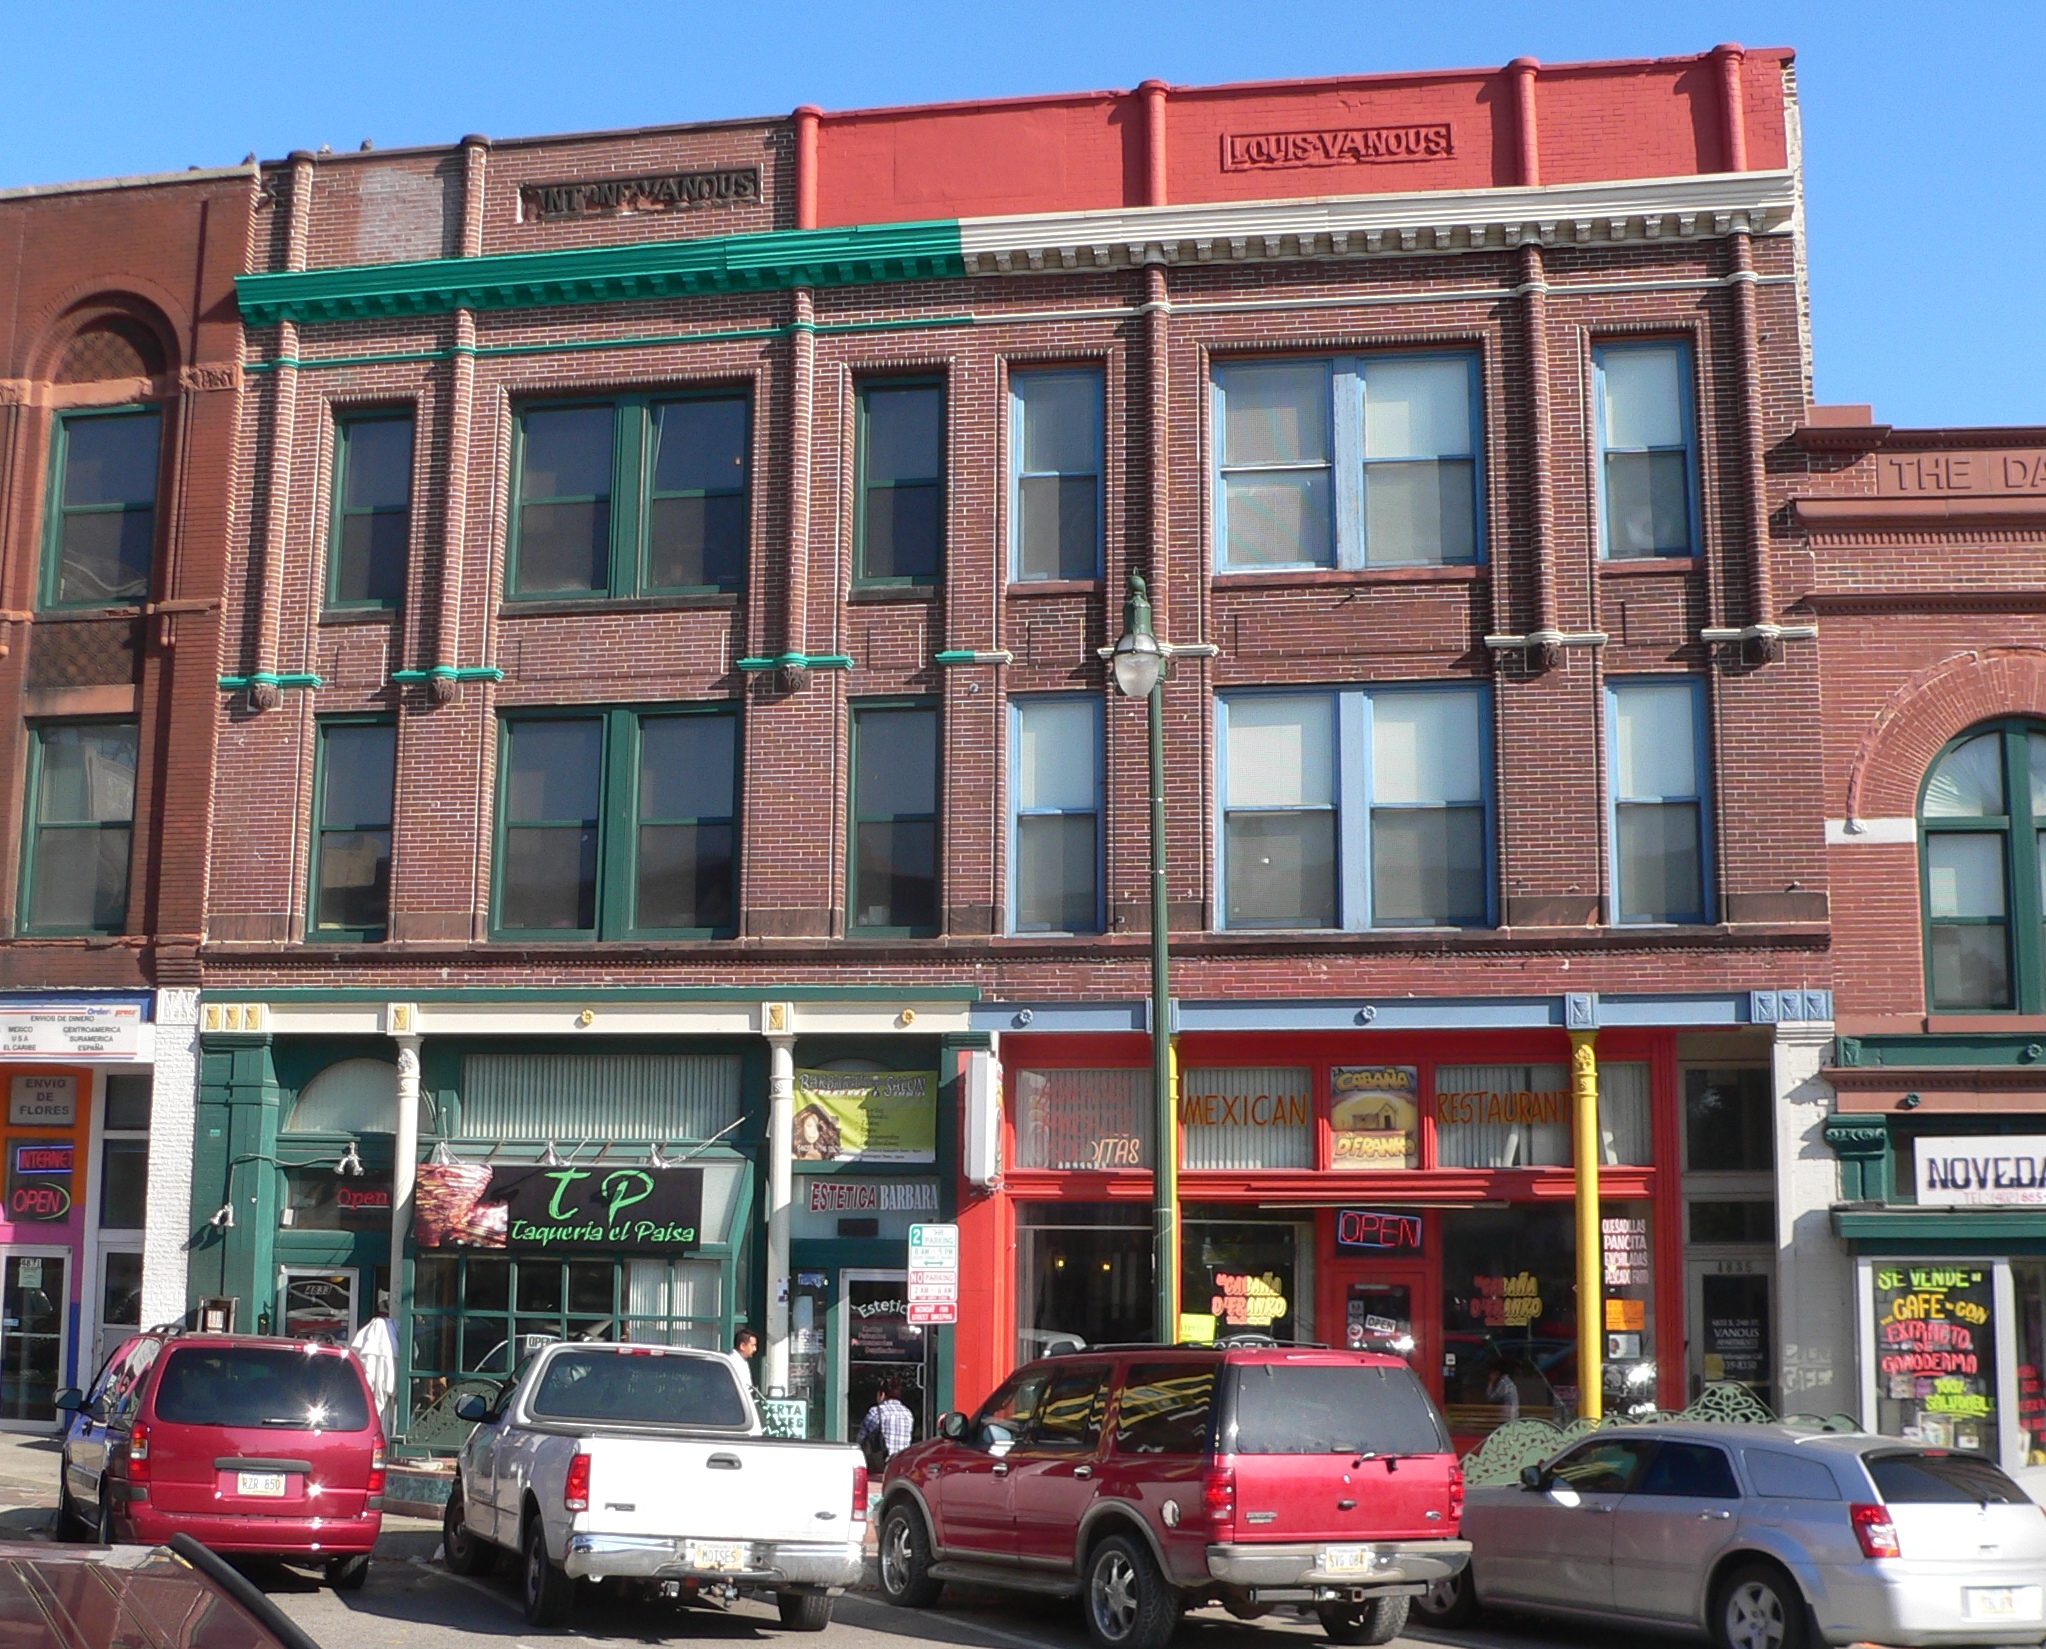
[[1935, 1331]]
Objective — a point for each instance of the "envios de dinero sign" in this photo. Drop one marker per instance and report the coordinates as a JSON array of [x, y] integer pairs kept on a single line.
[[1982, 1171]]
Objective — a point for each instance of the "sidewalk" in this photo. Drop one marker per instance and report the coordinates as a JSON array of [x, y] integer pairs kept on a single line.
[[28, 1484]]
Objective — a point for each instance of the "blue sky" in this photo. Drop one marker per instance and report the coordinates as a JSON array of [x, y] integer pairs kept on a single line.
[[1925, 152]]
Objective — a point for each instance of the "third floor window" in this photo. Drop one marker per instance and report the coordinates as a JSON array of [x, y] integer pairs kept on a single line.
[[372, 530], [102, 517], [631, 497], [1660, 821], [81, 827], [1648, 469], [1056, 460], [901, 537]]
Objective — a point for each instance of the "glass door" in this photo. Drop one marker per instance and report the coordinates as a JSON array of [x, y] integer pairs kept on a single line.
[[35, 1294], [318, 1304], [881, 1349], [120, 1300], [1732, 1338]]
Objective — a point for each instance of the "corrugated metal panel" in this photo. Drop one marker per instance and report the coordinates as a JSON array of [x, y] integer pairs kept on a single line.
[[1256, 1117], [668, 1097], [1083, 1119]]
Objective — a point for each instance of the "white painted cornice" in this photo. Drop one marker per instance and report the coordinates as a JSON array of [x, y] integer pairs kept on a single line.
[[1458, 220]]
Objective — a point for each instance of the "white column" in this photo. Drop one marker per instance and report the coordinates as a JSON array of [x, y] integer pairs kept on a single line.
[[173, 1122], [781, 1110], [405, 1166], [1815, 1319]]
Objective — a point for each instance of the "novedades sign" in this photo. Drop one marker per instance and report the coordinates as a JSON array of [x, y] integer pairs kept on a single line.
[[1989, 1171]]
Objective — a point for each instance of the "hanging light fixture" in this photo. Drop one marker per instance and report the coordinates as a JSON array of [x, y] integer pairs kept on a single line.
[[350, 1165]]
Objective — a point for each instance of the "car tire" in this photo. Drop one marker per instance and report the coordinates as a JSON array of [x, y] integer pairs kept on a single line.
[[906, 1559], [803, 1611], [104, 1530], [545, 1589], [70, 1526], [1128, 1602], [465, 1553], [1451, 1602], [1758, 1606], [348, 1574], [1376, 1620]]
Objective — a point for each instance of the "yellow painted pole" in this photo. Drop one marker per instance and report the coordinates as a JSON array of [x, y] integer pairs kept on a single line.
[[1590, 1248]]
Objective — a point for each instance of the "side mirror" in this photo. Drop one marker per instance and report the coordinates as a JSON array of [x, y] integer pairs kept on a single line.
[[953, 1426], [1534, 1477], [472, 1408], [70, 1399]]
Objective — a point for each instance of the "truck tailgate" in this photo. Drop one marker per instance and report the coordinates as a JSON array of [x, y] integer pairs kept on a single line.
[[711, 1489]]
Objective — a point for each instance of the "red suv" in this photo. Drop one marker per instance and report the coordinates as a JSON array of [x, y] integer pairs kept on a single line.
[[1149, 1480], [248, 1445]]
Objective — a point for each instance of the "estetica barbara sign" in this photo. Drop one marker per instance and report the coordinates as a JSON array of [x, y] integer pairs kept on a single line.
[[1986, 1171]]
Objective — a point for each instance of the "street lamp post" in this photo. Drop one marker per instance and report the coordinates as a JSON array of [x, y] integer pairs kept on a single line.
[[1139, 661]]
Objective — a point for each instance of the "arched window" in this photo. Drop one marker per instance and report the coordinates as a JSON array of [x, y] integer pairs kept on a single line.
[[1982, 820], [357, 1096]]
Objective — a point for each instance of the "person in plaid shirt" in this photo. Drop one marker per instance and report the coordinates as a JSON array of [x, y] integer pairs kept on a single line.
[[888, 1420]]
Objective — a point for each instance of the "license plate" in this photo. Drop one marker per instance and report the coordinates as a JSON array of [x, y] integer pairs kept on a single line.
[[1345, 1560], [260, 1483], [2001, 1602], [715, 1554]]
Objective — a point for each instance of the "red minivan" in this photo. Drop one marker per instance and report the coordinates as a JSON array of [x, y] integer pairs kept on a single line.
[[251, 1445]]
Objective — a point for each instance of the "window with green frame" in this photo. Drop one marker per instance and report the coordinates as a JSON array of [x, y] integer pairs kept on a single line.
[[893, 885], [1982, 854], [81, 825], [100, 536], [618, 823], [354, 784], [372, 526], [901, 526], [631, 497]]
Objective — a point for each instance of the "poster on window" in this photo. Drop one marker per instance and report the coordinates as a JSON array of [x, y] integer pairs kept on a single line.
[[866, 1116], [1374, 1116], [1935, 1329], [574, 1209]]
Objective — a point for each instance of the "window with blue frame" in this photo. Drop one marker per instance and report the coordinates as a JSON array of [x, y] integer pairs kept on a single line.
[[1056, 461], [1355, 461], [1660, 825], [1055, 826], [1356, 808], [1648, 462]]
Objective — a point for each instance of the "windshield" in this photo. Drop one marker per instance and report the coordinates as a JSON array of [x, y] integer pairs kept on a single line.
[[1912, 1478], [1349, 1408], [281, 1386], [640, 1388]]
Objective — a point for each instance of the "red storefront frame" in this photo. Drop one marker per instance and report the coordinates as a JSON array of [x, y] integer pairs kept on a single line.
[[986, 1338]]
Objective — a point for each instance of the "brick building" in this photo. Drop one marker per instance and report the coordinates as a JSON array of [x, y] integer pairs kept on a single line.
[[119, 387], [1924, 580], [664, 717]]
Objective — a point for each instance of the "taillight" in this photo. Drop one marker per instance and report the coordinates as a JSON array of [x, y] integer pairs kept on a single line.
[[1456, 1493], [1875, 1531], [575, 1493], [376, 1470], [859, 1507], [138, 1453], [1218, 1498]]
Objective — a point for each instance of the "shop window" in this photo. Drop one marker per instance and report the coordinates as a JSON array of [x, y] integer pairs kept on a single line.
[[1165, 1408], [1647, 450], [1097, 1121], [370, 539], [1661, 843], [1509, 1316], [676, 1098], [1083, 1277], [1729, 1122], [354, 793], [1982, 824], [81, 813], [123, 1183], [632, 497], [901, 528], [1936, 1353], [101, 541], [1519, 1116], [1055, 852], [1359, 461], [1056, 446], [128, 1101], [894, 880], [2028, 1291], [1247, 1275], [1356, 809], [619, 824], [1255, 1118]]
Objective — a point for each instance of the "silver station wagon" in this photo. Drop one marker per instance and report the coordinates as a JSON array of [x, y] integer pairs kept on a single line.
[[1761, 1537]]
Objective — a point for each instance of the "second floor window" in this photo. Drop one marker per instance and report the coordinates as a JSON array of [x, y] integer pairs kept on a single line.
[[81, 826], [354, 787], [902, 483], [1055, 852], [1358, 461], [893, 888], [1982, 824], [1056, 454], [1659, 821], [619, 823], [102, 526], [1354, 809], [372, 532], [1647, 462], [633, 497]]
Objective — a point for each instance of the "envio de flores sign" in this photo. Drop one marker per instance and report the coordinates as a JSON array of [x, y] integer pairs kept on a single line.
[[1336, 146]]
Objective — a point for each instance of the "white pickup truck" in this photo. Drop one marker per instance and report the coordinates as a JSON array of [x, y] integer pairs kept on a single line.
[[647, 1463]]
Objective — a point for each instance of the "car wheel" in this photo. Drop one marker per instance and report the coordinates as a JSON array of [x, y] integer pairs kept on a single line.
[[548, 1591], [803, 1611], [70, 1526], [1129, 1603], [1376, 1620], [906, 1560], [1758, 1607], [103, 1531], [466, 1553], [348, 1574], [1451, 1602]]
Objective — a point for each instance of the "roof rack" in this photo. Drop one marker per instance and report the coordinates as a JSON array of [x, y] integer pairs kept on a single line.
[[1227, 1342]]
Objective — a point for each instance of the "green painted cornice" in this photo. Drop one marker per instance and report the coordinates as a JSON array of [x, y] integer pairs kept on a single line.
[[1987, 1226], [606, 274], [448, 672], [268, 678], [1980, 1048], [797, 661]]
